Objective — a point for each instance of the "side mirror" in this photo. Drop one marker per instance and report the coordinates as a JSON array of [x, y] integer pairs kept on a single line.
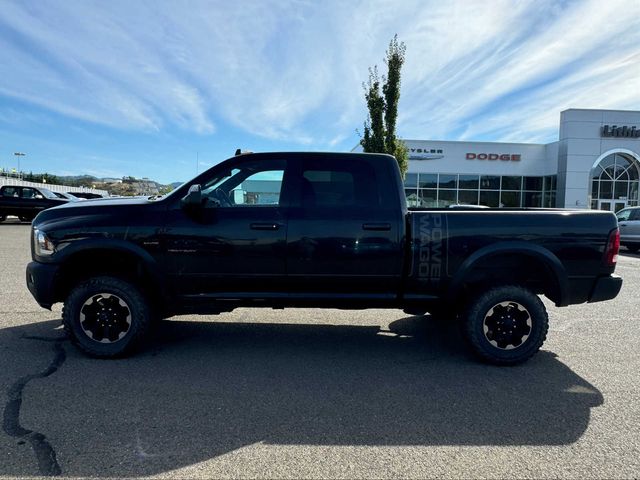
[[193, 198]]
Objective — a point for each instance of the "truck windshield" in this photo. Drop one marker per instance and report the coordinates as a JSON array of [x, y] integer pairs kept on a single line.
[[47, 193]]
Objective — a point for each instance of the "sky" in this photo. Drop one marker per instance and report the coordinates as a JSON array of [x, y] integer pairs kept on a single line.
[[165, 89]]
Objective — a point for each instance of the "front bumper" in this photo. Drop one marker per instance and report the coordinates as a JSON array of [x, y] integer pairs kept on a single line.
[[605, 288], [40, 282]]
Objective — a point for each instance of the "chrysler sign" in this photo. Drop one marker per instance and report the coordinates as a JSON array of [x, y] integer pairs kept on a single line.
[[513, 157], [424, 154]]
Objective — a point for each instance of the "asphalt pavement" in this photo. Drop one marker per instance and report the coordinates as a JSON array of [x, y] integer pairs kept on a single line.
[[303, 393]]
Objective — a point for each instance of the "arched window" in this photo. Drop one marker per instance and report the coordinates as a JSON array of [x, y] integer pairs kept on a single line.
[[615, 180]]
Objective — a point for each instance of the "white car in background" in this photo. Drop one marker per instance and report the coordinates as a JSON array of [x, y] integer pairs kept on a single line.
[[629, 224]]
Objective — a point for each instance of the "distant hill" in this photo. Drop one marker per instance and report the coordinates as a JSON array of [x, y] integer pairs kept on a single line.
[[115, 186]]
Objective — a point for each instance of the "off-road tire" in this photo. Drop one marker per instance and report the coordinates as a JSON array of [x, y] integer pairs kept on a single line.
[[140, 316], [481, 309]]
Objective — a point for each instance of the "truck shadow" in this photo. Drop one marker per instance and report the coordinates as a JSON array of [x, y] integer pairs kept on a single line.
[[203, 389]]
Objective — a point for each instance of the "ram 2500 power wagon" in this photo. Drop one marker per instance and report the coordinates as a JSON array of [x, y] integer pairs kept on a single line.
[[329, 230]]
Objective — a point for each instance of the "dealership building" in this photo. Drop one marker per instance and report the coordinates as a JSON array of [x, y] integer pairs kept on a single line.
[[594, 164]]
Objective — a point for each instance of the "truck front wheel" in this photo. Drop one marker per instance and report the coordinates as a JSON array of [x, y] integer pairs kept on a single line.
[[506, 325], [106, 317]]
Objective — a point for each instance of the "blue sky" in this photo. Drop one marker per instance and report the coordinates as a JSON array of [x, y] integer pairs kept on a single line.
[[156, 89]]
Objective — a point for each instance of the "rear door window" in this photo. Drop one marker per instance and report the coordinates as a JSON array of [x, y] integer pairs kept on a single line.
[[11, 192], [338, 184]]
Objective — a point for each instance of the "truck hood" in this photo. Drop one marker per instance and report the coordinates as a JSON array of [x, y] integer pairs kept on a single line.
[[106, 202], [81, 212]]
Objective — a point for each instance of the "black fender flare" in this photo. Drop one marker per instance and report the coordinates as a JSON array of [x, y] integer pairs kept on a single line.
[[546, 257], [87, 245]]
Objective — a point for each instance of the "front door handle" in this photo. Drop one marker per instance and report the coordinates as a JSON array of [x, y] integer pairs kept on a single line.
[[379, 227], [265, 226]]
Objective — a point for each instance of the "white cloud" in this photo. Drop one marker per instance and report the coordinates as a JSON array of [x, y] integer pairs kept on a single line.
[[293, 70], [537, 60]]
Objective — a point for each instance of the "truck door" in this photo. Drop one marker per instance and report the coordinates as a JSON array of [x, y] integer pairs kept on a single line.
[[236, 241], [32, 202], [343, 233], [11, 200]]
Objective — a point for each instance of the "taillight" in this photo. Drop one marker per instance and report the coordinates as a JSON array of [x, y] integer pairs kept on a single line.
[[613, 247]]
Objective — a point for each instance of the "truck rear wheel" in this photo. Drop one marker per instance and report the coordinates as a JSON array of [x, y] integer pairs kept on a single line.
[[106, 317], [506, 325]]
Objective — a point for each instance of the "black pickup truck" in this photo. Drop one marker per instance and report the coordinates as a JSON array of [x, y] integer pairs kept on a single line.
[[328, 230], [26, 202]]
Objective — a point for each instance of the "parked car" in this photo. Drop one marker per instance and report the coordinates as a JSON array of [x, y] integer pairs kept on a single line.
[[26, 202], [86, 195], [327, 230], [629, 223], [66, 196]]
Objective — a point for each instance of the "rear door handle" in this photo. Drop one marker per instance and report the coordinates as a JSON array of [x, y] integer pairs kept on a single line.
[[265, 226], [380, 227]]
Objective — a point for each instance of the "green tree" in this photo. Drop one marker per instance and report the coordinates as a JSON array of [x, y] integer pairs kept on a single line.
[[380, 127], [164, 189]]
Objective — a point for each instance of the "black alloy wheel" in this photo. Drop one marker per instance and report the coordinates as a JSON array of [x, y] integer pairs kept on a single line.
[[505, 325], [106, 317]]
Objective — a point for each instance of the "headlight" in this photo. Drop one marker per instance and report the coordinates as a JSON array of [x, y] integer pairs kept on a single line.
[[42, 246]]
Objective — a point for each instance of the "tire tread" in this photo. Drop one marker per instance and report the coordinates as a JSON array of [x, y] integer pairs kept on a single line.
[[503, 293], [137, 304]]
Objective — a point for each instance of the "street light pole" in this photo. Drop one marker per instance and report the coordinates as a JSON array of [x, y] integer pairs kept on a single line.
[[19, 154]]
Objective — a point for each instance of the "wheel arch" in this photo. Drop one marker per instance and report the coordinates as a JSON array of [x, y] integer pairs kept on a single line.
[[502, 257], [85, 259]]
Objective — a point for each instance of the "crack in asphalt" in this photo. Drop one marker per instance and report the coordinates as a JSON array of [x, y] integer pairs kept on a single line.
[[45, 454]]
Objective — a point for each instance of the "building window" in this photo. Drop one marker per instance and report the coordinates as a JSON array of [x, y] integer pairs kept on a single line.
[[533, 184], [511, 183], [428, 180], [411, 180], [468, 197], [469, 182], [432, 190], [448, 181], [614, 182], [490, 182], [490, 198], [509, 199], [428, 198]]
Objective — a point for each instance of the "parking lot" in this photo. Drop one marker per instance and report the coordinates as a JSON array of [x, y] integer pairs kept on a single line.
[[312, 393]]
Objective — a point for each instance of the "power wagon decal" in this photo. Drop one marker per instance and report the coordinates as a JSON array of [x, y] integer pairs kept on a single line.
[[428, 264]]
